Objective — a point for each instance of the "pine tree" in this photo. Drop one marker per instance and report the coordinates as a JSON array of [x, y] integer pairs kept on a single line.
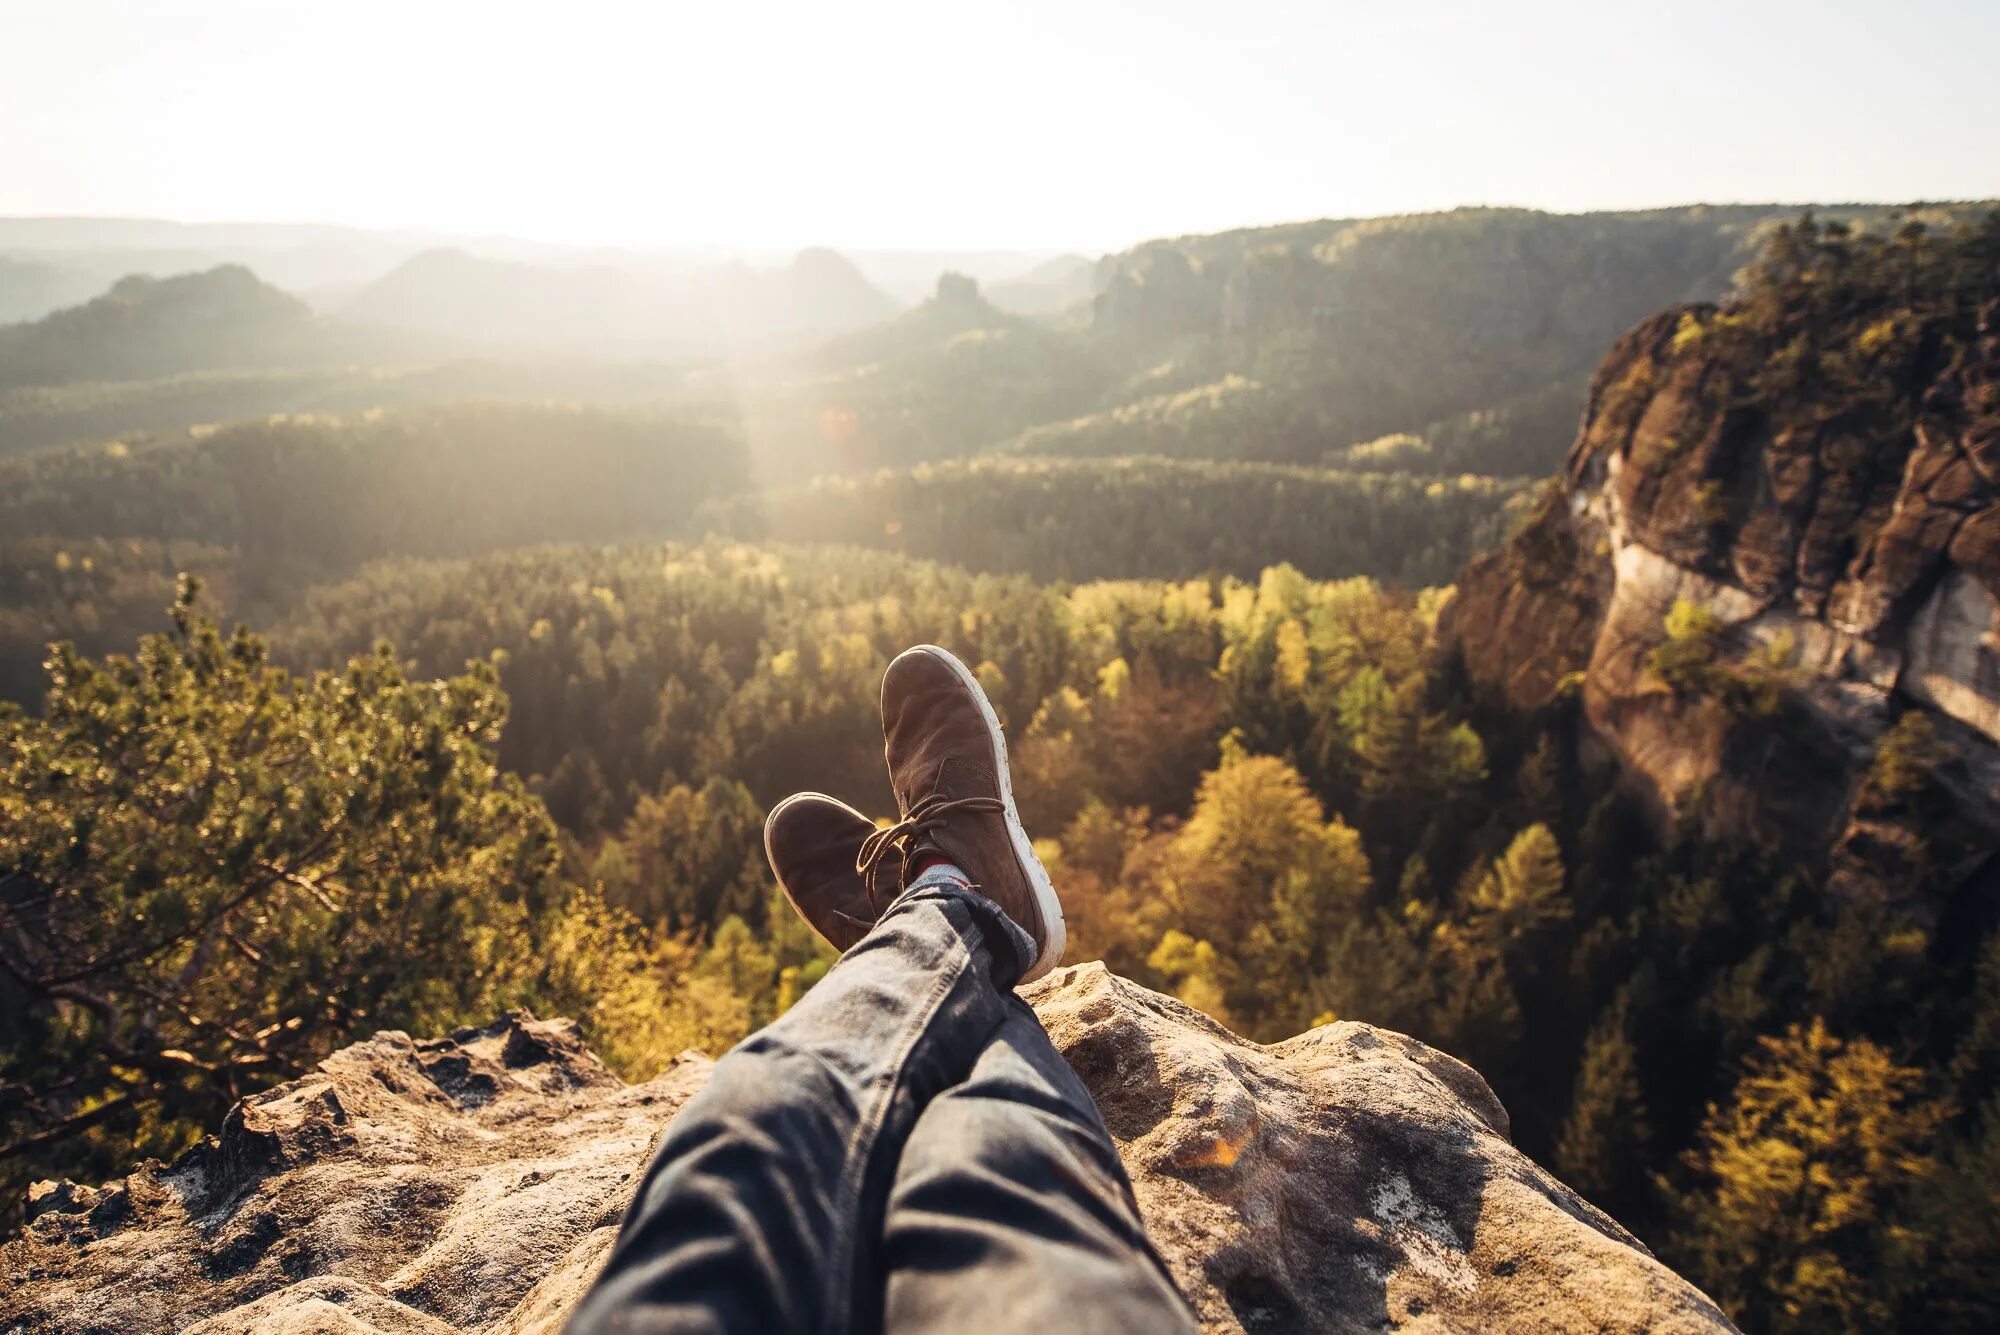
[[1606, 1132], [1540, 781], [694, 855], [1958, 1287], [1523, 891]]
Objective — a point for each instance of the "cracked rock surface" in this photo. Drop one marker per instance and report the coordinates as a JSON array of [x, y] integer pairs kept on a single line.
[[1348, 1179]]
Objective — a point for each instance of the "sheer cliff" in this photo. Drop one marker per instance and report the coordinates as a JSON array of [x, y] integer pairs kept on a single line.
[[1772, 563]]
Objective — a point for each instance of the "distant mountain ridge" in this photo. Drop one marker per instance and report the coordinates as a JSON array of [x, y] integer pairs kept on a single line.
[[1384, 324], [1471, 330], [91, 253], [496, 302], [1050, 287], [329, 264], [224, 318]]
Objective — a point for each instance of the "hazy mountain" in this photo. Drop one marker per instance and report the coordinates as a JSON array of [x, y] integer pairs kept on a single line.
[[330, 265], [821, 291], [619, 308], [1468, 330], [143, 327], [1051, 286], [910, 275], [326, 264], [99, 251], [954, 308]]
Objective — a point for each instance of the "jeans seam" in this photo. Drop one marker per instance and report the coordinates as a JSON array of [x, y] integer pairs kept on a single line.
[[867, 1133]]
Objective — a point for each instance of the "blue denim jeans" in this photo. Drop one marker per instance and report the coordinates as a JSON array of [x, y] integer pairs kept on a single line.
[[903, 1149]]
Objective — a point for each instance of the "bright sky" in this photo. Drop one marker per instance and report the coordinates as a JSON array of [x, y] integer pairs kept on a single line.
[[935, 123]]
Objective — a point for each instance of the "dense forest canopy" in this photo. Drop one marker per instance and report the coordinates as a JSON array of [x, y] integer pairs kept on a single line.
[[264, 510], [1137, 516], [320, 495], [133, 412], [526, 676]]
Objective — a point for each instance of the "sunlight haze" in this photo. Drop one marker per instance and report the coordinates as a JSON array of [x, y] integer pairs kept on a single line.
[[1040, 124]]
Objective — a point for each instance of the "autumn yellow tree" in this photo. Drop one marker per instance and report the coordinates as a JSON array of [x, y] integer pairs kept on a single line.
[[1260, 867], [1789, 1219]]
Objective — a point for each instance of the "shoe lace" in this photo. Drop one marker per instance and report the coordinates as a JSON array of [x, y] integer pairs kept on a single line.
[[927, 815]]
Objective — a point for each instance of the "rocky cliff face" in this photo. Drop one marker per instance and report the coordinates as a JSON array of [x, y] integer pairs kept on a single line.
[[1348, 1179], [1846, 548]]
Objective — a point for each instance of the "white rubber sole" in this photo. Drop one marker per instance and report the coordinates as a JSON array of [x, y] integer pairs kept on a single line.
[[1055, 937], [771, 820]]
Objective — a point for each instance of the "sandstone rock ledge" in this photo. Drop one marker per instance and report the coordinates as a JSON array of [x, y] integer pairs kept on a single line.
[[1348, 1179]]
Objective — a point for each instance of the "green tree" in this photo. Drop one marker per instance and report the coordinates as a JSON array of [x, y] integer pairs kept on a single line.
[[1604, 1138], [1259, 864], [695, 855], [1378, 969], [1523, 892], [1540, 781], [1959, 1208], [213, 872], [744, 966]]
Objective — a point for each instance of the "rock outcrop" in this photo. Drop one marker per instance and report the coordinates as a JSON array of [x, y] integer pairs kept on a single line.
[[1847, 547], [1348, 1179]]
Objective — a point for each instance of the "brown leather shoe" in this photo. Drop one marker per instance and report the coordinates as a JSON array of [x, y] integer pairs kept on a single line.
[[813, 842], [948, 768]]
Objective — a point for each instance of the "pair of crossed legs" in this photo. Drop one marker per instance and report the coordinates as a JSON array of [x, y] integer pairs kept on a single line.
[[904, 1149]]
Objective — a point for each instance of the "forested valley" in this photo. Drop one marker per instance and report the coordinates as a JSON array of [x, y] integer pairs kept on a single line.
[[518, 676]]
